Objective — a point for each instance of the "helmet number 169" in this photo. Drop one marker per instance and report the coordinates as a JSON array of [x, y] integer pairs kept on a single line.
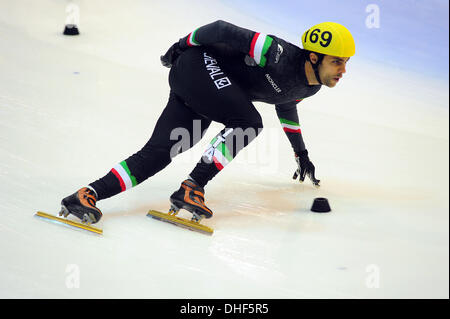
[[314, 37]]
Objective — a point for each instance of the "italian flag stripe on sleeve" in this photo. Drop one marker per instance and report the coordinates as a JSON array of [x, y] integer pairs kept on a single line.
[[290, 126], [123, 174], [258, 48], [191, 39]]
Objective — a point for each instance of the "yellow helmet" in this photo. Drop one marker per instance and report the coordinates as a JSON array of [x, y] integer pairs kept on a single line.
[[329, 38]]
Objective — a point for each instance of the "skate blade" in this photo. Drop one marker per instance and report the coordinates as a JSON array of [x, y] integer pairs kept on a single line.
[[67, 222], [181, 222]]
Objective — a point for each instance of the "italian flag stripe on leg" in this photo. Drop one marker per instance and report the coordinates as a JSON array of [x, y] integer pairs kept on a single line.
[[191, 39], [222, 156], [258, 48], [122, 184], [123, 174], [219, 152], [218, 164], [290, 126]]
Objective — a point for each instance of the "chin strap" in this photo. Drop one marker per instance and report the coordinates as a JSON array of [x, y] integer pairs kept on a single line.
[[316, 72], [315, 66]]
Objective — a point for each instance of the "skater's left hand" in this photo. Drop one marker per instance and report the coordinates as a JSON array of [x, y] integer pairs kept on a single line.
[[171, 55], [305, 168]]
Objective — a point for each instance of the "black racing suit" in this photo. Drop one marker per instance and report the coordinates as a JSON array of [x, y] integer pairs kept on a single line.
[[222, 70]]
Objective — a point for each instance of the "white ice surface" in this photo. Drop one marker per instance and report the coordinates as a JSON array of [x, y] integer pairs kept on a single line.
[[73, 107]]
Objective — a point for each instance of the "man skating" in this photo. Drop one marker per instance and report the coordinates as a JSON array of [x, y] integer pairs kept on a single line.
[[216, 72]]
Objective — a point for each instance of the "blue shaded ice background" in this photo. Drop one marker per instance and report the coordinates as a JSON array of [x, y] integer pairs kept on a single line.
[[412, 34]]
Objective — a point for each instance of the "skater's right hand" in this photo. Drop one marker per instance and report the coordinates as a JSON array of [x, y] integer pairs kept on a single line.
[[305, 168], [171, 55]]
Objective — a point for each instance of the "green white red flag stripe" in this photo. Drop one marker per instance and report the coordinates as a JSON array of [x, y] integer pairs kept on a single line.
[[191, 39], [258, 48], [221, 156], [290, 126], [123, 174]]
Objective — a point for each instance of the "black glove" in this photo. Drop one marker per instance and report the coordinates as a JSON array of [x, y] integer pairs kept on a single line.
[[305, 167], [171, 55]]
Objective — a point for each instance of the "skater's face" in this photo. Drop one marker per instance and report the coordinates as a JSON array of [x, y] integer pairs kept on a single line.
[[331, 70]]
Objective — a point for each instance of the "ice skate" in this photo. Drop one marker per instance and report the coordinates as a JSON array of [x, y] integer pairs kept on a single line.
[[82, 205], [190, 197]]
